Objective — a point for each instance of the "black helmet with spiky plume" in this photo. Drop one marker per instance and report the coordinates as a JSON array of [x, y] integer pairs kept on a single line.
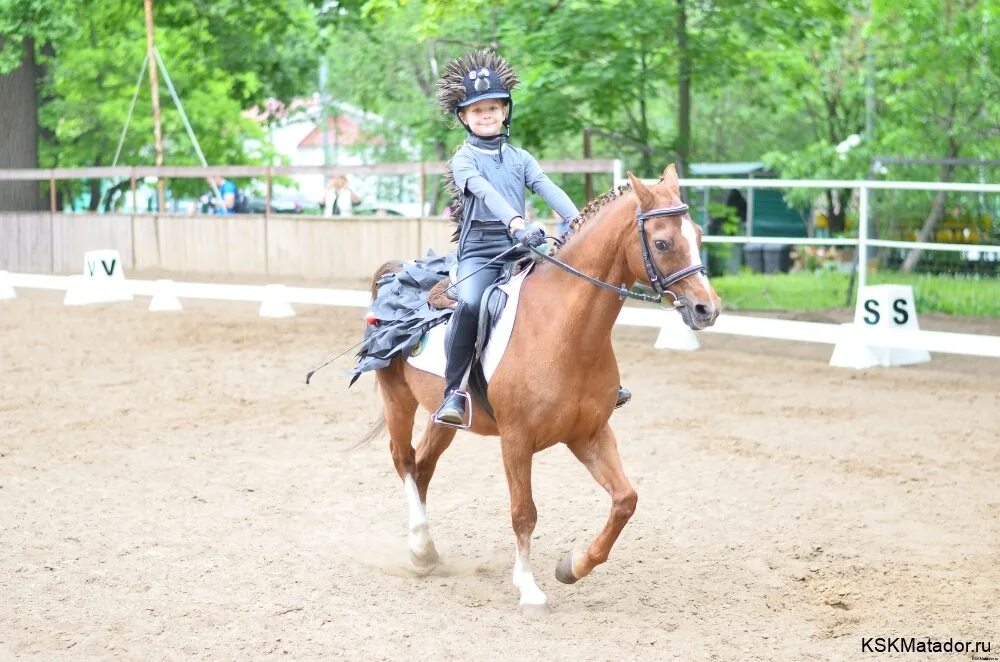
[[476, 77]]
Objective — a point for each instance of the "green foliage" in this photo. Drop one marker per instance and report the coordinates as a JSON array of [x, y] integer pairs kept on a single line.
[[785, 80], [824, 290], [795, 291], [223, 57], [38, 20], [938, 77]]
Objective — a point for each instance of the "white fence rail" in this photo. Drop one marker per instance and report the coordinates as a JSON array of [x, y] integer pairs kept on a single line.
[[758, 327], [276, 246], [864, 241]]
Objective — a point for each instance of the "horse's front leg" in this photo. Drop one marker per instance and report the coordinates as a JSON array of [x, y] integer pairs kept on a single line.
[[517, 465], [600, 456]]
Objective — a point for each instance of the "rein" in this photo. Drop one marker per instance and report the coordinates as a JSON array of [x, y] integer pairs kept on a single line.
[[657, 280]]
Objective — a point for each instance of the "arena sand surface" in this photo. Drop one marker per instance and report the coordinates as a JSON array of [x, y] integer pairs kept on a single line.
[[171, 489]]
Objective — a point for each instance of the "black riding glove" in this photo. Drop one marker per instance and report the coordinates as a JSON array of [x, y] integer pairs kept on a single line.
[[530, 237]]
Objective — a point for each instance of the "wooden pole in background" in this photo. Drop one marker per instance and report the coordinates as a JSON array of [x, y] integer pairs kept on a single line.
[[154, 84]]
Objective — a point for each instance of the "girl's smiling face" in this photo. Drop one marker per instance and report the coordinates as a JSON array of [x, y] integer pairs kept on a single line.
[[485, 118]]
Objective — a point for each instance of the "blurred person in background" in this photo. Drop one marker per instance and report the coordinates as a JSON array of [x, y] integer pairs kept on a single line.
[[340, 198], [228, 192]]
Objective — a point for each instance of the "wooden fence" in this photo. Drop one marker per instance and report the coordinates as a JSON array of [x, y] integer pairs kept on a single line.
[[265, 244], [245, 244]]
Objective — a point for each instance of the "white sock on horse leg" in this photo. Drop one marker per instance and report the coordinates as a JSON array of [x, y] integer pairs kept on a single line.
[[524, 580], [420, 543]]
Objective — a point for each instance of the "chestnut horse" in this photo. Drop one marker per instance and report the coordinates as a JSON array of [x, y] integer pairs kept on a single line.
[[558, 380]]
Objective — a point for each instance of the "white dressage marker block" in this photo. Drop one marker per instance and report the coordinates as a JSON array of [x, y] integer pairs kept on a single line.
[[102, 281], [275, 302], [164, 297], [6, 287], [675, 334], [882, 311]]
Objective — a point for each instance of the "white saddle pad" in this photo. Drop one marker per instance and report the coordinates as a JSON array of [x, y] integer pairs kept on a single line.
[[429, 354]]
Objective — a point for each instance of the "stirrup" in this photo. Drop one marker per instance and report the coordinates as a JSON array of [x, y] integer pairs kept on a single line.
[[464, 425], [624, 397]]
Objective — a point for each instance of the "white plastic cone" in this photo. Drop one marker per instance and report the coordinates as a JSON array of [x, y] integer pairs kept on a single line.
[[79, 291], [882, 314], [6, 287], [275, 302], [675, 334], [164, 297], [101, 281]]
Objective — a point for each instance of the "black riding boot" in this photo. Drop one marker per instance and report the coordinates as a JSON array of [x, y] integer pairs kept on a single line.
[[479, 244], [460, 346]]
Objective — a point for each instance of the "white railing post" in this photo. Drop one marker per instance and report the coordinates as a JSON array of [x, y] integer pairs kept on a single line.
[[618, 175], [863, 238]]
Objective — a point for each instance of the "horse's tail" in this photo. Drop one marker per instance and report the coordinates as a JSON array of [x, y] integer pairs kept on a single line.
[[378, 427], [390, 267]]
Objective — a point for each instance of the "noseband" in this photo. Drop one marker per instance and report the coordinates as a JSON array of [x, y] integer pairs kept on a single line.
[[658, 281]]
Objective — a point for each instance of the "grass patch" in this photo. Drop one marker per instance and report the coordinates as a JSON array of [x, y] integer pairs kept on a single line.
[[970, 296]]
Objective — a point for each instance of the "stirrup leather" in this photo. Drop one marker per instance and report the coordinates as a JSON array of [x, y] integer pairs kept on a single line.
[[464, 425]]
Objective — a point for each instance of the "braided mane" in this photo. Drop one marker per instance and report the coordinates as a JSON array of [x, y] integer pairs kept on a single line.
[[590, 211]]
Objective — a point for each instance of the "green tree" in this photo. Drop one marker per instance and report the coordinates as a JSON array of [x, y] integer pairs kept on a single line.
[[939, 64], [816, 81], [386, 58], [223, 57]]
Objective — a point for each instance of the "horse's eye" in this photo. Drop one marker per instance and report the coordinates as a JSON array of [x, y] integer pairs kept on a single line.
[[662, 245]]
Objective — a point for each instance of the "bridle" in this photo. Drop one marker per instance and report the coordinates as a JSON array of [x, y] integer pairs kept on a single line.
[[660, 282], [657, 280]]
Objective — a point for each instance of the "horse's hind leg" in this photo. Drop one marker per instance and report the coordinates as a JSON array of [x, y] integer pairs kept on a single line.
[[600, 456], [400, 406]]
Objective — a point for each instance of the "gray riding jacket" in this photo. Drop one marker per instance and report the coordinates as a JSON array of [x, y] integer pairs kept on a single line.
[[494, 190]]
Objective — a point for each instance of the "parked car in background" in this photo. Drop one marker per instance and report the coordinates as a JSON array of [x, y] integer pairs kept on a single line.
[[385, 208], [284, 204]]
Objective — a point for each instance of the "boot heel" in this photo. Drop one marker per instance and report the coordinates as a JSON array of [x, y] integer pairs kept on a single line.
[[465, 422]]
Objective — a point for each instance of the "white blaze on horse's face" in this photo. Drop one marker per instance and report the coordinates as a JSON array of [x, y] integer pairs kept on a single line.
[[692, 234], [674, 243]]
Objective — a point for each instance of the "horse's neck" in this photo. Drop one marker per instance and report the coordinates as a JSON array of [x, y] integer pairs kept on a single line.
[[585, 311]]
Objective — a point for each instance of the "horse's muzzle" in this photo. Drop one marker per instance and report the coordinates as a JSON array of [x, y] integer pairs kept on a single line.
[[697, 316]]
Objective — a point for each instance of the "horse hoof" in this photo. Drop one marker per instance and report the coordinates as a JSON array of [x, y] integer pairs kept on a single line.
[[536, 610], [427, 559], [564, 569]]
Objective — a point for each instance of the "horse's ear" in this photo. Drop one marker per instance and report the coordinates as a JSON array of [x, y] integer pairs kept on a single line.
[[670, 178], [645, 197]]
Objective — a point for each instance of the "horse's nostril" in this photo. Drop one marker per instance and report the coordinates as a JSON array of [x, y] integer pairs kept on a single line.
[[703, 311]]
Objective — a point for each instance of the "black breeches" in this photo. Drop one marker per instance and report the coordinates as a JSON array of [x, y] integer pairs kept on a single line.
[[478, 245]]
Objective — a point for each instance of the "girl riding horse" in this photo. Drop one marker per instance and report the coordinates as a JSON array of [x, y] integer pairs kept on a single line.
[[490, 177]]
